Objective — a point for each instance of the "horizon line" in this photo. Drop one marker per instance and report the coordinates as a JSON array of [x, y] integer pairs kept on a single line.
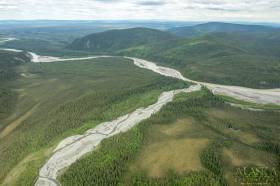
[[148, 20]]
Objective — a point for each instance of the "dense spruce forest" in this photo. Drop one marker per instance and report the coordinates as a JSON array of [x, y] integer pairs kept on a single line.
[[8, 72], [229, 143], [43, 103]]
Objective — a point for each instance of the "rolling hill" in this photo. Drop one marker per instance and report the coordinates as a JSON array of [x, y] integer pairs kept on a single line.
[[224, 58], [114, 40], [229, 54], [214, 27], [232, 54]]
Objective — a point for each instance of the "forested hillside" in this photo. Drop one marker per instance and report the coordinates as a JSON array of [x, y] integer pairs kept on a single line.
[[113, 40], [250, 60], [226, 54]]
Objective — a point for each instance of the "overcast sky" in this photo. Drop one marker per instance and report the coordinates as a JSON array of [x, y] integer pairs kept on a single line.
[[188, 10]]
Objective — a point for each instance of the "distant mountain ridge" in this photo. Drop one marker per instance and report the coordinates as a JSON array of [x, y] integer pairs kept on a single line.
[[212, 27]]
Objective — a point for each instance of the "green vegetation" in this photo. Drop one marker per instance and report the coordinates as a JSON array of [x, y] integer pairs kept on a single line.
[[9, 61], [54, 100], [106, 166], [212, 27], [224, 58], [114, 40], [225, 53], [246, 105], [8, 72], [44, 47], [230, 139], [97, 43], [221, 53], [198, 139], [211, 159]]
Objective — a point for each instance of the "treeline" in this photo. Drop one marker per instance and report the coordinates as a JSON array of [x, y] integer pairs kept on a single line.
[[171, 178], [270, 147]]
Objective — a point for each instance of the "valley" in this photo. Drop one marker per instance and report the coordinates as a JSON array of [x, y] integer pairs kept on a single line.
[[269, 96], [78, 90], [111, 110], [66, 154]]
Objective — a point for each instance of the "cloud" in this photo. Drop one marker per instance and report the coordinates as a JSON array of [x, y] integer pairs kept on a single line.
[[108, 1], [223, 9], [189, 10], [152, 3]]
